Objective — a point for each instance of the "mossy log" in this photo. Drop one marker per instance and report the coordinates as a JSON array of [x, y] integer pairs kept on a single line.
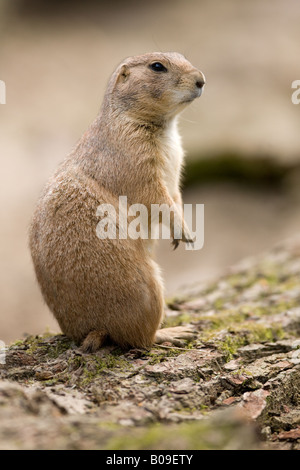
[[236, 387]]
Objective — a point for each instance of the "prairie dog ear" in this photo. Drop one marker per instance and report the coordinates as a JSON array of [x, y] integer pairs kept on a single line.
[[123, 74]]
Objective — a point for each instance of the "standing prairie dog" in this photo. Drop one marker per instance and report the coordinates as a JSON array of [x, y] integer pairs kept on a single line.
[[111, 288]]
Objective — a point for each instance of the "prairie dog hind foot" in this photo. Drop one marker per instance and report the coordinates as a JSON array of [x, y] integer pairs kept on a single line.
[[176, 335], [93, 341]]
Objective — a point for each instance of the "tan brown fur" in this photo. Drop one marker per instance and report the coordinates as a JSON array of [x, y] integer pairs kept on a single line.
[[112, 288]]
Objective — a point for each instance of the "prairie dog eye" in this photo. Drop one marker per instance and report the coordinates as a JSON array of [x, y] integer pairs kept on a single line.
[[158, 67]]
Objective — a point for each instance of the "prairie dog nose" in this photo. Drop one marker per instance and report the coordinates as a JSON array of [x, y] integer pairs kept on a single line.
[[200, 84], [200, 80]]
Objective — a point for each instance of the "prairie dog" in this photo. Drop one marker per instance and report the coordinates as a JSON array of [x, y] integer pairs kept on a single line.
[[111, 288]]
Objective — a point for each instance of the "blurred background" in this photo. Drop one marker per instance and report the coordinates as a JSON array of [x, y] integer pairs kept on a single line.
[[242, 137]]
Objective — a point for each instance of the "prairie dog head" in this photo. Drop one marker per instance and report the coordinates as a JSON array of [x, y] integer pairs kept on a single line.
[[155, 87]]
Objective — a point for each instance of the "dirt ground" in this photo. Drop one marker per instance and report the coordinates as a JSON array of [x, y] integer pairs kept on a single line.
[[56, 61]]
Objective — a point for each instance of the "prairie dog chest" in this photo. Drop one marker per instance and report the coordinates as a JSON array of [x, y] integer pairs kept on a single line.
[[172, 157]]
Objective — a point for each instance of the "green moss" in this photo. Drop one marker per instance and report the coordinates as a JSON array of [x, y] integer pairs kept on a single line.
[[177, 320], [92, 366], [219, 321], [145, 440], [158, 356], [218, 304], [241, 318], [17, 343], [248, 334], [59, 348], [261, 334], [174, 302], [242, 371], [43, 346], [242, 280], [230, 345], [189, 410], [290, 283], [33, 343], [198, 435]]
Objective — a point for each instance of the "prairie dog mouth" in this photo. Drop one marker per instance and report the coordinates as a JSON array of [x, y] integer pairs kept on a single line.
[[200, 91], [195, 94]]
